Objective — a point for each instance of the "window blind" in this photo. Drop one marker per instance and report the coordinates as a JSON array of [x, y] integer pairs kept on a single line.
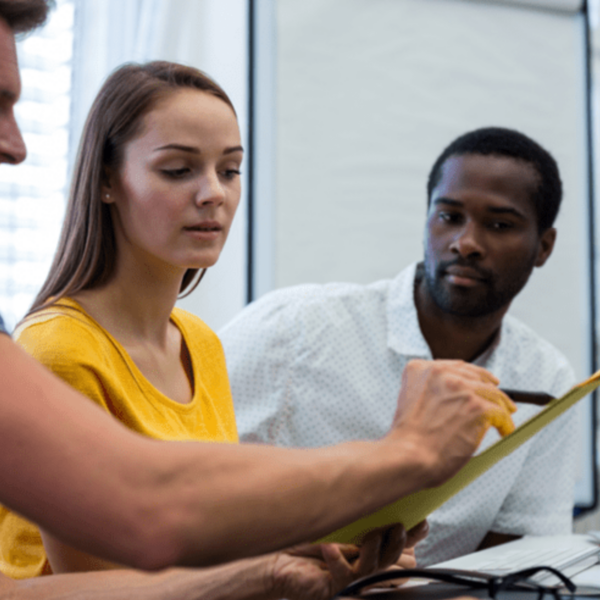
[[32, 196]]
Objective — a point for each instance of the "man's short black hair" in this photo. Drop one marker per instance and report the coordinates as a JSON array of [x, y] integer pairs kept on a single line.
[[498, 141], [23, 16]]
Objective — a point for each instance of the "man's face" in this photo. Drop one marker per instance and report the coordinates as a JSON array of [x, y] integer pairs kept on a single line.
[[12, 147], [481, 237]]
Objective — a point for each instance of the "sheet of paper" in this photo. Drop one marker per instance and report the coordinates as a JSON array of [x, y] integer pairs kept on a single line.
[[589, 579], [412, 509]]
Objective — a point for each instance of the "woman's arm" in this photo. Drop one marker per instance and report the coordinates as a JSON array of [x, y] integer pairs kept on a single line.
[[74, 470]]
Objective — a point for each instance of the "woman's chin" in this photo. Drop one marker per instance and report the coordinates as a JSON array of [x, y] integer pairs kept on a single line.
[[202, 264]]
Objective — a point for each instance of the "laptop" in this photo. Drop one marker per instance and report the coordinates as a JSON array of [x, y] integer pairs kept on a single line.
[[570, 554]]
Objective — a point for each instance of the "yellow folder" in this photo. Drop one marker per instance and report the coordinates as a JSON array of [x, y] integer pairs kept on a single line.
[[412, 509]]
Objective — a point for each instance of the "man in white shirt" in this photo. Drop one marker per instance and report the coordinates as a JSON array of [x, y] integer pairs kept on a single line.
[[316, 365]]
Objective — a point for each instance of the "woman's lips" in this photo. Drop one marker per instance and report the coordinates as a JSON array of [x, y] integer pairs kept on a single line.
[[208, 230]]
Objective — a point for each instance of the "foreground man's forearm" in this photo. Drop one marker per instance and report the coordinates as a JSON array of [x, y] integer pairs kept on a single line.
[[239, 581], [92, 483]]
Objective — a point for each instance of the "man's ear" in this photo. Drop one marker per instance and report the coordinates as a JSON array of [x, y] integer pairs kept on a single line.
[[546, 245]]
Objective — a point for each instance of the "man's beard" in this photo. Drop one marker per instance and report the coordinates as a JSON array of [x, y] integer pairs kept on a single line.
[[480, 301]]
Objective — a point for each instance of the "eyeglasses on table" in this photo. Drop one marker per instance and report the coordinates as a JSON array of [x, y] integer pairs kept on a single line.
[[471, 580]]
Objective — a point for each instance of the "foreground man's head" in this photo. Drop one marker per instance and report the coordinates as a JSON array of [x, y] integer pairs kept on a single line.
[[16, 16]]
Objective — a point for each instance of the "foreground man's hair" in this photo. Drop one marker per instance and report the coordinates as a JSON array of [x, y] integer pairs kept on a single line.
[[23, 16]]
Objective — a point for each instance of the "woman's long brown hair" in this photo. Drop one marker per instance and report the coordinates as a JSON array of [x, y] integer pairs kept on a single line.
[[87, 254]]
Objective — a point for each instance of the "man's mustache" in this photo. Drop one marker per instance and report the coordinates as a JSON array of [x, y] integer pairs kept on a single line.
[[483, 274]]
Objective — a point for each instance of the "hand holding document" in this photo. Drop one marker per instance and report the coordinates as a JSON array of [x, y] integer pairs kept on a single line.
[[445, 407], [412, 509], [496, 416]]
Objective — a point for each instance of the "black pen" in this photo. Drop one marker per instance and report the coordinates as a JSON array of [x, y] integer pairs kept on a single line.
[[537, 398]]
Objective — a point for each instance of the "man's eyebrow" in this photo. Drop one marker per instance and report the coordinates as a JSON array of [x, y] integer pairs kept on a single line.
[[195, 149], [447, 202], [507, 210], [495, 210]]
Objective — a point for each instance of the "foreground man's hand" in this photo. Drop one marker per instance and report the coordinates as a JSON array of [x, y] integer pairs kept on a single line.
[[407, 559], [445, 408], [319, 571]]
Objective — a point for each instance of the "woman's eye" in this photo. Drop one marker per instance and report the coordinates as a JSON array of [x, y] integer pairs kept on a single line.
[[231, 173], [176, 173]]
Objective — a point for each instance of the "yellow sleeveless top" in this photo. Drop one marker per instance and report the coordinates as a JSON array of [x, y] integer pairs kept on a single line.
[[70, 343]]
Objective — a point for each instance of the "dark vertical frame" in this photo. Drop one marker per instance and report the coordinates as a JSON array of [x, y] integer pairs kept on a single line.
[[251, 147], [591, 238]]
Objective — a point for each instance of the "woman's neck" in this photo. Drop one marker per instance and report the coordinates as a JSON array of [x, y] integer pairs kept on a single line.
[[136, 304]]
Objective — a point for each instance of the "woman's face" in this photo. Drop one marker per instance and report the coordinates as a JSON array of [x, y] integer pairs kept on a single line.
[[175, 195]]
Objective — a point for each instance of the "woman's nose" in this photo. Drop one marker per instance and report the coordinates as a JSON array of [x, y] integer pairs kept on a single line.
[[210, 190]]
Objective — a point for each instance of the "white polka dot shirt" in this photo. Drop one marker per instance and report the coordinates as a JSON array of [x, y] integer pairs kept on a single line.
[[316, 365]]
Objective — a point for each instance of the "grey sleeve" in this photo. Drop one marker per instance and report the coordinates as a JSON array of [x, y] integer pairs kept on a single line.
[[2, 327]]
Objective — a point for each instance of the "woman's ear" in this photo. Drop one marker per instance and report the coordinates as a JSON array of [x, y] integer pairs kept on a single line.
[[107, 188], [107, 196]]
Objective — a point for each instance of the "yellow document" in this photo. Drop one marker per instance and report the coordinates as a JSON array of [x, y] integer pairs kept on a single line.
[[412, 509]]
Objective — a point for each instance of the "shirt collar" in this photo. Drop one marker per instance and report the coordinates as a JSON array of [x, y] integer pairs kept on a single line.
[[404, 333]]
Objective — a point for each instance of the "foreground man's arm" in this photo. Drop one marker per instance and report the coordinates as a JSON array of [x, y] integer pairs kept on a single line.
[[310, 572], [236, 580], [219, 583], [74, 470]]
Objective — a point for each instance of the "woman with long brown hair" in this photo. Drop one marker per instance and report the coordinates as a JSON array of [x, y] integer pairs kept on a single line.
[[155, 189]]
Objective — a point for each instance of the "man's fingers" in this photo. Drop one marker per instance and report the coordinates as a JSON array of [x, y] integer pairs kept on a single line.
[[407, 560], [466, 370], [498, 418], [498, 411], [497, 396], [392, 545], [480, 373], [416, 534], [370, 550], [341, 572], [349, 551]]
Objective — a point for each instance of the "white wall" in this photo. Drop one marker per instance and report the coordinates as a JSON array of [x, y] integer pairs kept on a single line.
[[369, 93]]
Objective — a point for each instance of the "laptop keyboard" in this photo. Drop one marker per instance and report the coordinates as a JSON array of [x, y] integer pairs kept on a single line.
[[568, 561], [568, 554]]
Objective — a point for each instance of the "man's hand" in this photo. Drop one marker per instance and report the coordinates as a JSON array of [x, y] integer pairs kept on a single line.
[[408, 559], [445, 408], [319, 571]]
